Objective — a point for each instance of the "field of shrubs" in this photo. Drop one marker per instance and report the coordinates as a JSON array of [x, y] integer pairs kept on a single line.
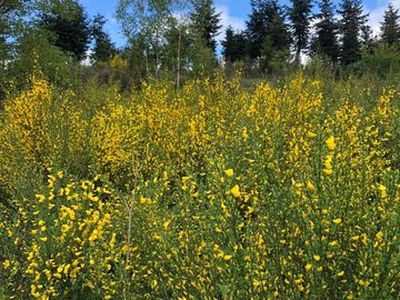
[[288, 190]]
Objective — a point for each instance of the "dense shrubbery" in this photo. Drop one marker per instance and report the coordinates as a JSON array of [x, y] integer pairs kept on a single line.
[[212, 191]]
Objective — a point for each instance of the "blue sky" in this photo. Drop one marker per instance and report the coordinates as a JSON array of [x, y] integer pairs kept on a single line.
[[233, 12]]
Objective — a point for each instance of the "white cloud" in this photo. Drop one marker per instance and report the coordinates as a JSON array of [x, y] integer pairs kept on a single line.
[[228, 20], [376, 15]]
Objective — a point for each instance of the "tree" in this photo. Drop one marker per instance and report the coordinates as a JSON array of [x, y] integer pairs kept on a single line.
[[390, 27], [146, 21], [300, 16], [325, 42], [67, 21], [234, 46], [351, 24], [206, 22], [256, 27], [268, 33], [103, 49], [178, 42], [11, 12]]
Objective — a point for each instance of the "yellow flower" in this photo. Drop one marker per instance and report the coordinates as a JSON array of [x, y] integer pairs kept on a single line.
[[227, 257], [166, 225], [235, 191], [256, 283], [6, 264], [330, 143], [379, 236], [308, 267], [229, 172], [317, 257], [65, 228], [337, 221], [311, 135], [310, 186], [40, 198], [333, 244]]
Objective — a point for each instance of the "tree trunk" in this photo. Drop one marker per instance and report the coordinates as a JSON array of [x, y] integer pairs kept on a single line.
[[178, 74]]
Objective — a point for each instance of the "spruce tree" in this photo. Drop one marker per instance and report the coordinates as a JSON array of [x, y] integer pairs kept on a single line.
[[103, 48], [300, 16], [206, 22], [70, 26], [351, 24], [234, 45], [325, 41], [266, 29], [390, 27]]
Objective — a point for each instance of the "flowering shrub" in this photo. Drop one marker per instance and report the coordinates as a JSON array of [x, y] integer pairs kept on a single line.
[[210, 192], [63, 242]]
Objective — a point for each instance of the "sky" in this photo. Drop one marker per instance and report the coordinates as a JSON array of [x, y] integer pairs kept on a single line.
[[233, 12]]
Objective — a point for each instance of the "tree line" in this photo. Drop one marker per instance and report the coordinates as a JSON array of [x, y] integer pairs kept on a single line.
[[275, 33], [176, 39]]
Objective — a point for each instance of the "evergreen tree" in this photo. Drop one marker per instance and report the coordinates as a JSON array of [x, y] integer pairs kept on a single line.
[[234, 45], [206, 22], [351, 24], [103, 49], [267, 20], [390, 27], [70, 27], [267, 31], [367, 40], [325, 42], [228, 44], [256, 27], [300, 16]]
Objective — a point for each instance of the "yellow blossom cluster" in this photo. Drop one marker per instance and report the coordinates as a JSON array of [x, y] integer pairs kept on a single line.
[[213, 191]]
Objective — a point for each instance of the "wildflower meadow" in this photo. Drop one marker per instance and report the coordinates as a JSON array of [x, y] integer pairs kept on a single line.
[[286, 190]]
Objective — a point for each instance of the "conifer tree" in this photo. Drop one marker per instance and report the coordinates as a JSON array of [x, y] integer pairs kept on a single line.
[[325, 42], [70, 26], [234, 45], [266, 29], [351, 25], [103, 48], [205, 21], [300, 17], [390, 27]]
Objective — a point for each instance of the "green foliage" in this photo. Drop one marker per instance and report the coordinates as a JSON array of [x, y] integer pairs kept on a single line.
[[200, 190], [11, 12], [268, 33], [235, 46], [390, 27], [69, 24], [203, 62], [300, 17], [205, 22], [352, 21], [325, 41], [103, 49], [36, 54], [383, 61]]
